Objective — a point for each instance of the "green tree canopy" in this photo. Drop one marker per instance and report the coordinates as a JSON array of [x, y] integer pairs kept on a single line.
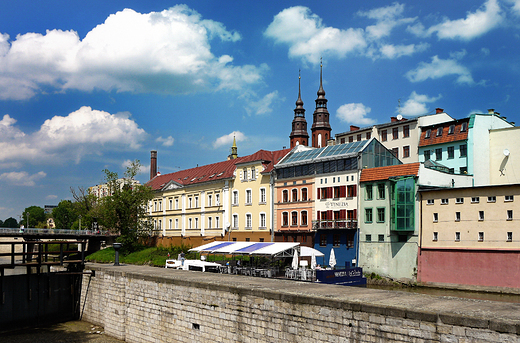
[[64, 215], [35, 215], [10, 222]]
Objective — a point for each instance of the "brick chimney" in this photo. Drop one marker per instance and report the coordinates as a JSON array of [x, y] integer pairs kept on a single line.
[[491, 111], [354, 128], [153, 164], [439, 110], [393, 119]]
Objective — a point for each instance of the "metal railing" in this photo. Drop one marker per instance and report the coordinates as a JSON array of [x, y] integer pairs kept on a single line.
[[335, 224], [28, 231]]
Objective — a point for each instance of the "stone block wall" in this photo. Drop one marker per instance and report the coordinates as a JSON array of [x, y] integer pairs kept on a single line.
[[143, 304]]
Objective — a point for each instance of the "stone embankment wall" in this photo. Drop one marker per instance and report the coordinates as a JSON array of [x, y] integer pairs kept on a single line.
[[144, 304]]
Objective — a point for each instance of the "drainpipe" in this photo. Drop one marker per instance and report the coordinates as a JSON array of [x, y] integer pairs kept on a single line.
[[271, 186]]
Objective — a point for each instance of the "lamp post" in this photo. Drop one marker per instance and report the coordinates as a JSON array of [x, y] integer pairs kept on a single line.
[[80, 222], [117, 246], [27, 213]]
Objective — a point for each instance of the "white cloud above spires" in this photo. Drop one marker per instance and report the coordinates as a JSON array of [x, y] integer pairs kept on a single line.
[[83, 132], [227, 140], [164, 52], [439, 68], [486, 18], [355, 113]]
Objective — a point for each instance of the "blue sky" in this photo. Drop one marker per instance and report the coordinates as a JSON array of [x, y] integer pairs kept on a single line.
[[88, 85]]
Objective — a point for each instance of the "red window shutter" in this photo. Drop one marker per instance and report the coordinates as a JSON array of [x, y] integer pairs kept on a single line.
[[342, 191], [319, 194], [329, 214], [342, 214], [329, 192], [318, 214], [354, 191], [355, 214]]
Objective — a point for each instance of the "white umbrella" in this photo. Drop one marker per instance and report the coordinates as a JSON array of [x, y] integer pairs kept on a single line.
[[313, 261], [332, 258], [295, 260]]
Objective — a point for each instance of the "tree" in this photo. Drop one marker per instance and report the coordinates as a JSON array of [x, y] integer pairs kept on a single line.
[[64, 215], [10, 222], [35, 215], [124, 210]]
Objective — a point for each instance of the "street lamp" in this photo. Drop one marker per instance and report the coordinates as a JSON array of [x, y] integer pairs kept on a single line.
[[80, 222], [27, 213]]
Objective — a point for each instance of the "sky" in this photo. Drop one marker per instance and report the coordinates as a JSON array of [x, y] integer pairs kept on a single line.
[[92, 85]]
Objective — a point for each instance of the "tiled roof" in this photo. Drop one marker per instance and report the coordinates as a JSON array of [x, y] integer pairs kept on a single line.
[[384, 173], [215, 171], [445, 137]]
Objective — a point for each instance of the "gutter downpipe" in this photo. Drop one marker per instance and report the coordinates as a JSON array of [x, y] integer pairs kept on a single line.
[[271, 186]]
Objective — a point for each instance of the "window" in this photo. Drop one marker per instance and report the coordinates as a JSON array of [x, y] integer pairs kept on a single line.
[[262, 195], [463, 127], [210, 200], [189, 202], [336, 240], [426, 155], [285, 219], [463, 149], [294, 195], [160, 224], [368, 215], [196, 223], [369, 135], [368, 192], [381, 191], [336, 192], [358, 137], [457, 236], [380, 215], [368, 238], [189, 223], [176, 223], [249, 221], [170, 224], [439, 131], [463, 170], [244, 175], [249, 197], [435, 217], [304, 194], [444, 201], [253, 173], [457, 216], [285, 195], [406, 131], [209, 222], [428, 133], [451, 170], [196, 202], [217, 223], [480, 215], [435, 236], [395, 151], [235, 198], [351, 139], [294, 218], [235, 221], [323, 240], [303, 221], [509, 237], [451, 152], [475, 200], [176, 203], [406, 151], [383, 136], [262, 221], [351, 191], [508, 198], [395, 133], [380, 238], [459, 200], [481, 236], [430, 202], [171, 204], [492, 199], [451, 129], [438, 154], [160, 205], [217, 199], [509, 214]]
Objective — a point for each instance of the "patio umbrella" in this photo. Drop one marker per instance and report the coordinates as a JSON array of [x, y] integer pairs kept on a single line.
[[313, 261], [295, 260], [332, 258]]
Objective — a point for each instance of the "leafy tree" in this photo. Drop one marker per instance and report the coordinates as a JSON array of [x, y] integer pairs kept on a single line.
[[64, 215], [86, 206], [124, 211], [10, 222], [35, 215]]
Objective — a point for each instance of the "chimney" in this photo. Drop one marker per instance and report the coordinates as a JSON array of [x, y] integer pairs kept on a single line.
[[354, 128], [393, 119], [153, 164], [491, 111], [439, 110]]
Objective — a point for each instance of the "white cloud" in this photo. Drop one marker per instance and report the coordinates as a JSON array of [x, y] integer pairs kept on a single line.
[[83, 132], [164, 52], [227, 140], [262, 106], [516, 6], [51, 197], [168, 141], [387, 18], [439, 68], [483, 20], [395, 51], [22, 178], [309, 39], [416, 104], [142, 170], [355, 113]]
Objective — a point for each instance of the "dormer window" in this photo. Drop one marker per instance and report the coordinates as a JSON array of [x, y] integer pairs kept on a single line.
[[428, 133], [439, 131], [452, 130]]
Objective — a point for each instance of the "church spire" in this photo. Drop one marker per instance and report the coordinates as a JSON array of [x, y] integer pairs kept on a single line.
[[234, 150], [320, 119], [299, 133]]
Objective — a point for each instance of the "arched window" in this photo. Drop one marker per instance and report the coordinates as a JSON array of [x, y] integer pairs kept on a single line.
[[304, 194], [294, 195], [285, 219], [285, 197], [303, 221], [294, 218]]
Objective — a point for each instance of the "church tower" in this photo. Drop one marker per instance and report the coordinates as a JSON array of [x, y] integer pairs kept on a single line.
[[320, 121], [299, 135]]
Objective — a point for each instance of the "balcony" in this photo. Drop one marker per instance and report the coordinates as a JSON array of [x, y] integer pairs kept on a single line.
[[334, 224]]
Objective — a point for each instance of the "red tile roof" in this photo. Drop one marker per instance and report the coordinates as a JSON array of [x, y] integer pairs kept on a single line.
[[445, 137], [216, 171], [384, 173]]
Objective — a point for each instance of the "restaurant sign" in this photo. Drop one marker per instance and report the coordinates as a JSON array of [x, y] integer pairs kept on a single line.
[[345, 277], [336, 204]]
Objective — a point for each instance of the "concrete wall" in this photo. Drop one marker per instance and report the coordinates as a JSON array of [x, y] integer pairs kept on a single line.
[[144, 304]]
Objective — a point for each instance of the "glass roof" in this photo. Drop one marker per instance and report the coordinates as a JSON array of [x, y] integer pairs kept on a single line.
[[328, 151]]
